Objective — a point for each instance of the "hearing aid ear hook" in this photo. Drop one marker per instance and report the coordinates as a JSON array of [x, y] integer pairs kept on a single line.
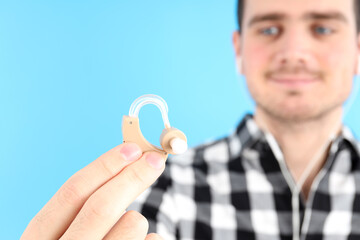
[[172, 140]]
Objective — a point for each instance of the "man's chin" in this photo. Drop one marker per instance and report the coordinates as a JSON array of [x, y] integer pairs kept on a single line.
[[295, 115], [298, 117]]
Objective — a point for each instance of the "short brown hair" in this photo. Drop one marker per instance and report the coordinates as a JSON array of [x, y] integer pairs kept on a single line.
[[241, 7]]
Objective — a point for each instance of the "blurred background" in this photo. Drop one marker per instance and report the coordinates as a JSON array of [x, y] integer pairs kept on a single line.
[[69, 71]]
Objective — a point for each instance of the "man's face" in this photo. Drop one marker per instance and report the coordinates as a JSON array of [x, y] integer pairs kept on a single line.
[[299, 57]]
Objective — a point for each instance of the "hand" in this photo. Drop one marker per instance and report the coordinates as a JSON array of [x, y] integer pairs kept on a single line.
[[92, 202]]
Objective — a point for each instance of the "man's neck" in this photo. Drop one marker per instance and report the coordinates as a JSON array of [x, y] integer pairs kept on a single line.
[[301, 141]]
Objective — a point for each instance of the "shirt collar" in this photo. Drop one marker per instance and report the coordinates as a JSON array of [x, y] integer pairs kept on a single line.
[[250, 133]]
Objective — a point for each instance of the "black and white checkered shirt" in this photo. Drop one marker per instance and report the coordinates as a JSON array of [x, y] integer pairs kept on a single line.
[[234, 188]]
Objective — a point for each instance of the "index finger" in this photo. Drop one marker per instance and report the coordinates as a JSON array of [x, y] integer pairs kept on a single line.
[[56, 216]]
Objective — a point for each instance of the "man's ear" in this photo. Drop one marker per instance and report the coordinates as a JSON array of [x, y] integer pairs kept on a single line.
[[236, 39]]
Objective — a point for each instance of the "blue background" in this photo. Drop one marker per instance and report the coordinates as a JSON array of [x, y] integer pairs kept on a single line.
[[69, 71]]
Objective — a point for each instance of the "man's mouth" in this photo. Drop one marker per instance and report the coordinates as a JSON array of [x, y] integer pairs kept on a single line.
[[294, 81]]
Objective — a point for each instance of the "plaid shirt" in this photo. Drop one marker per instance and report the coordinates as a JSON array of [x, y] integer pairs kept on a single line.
[[233, 188]]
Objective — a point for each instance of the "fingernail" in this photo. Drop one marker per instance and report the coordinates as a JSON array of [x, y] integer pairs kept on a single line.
[[155, 160], [131, 151]]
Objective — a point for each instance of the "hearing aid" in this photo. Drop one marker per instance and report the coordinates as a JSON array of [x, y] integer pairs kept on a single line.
[[172, 140]]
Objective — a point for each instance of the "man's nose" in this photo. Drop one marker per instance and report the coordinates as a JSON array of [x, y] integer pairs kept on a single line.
[[294, 50]]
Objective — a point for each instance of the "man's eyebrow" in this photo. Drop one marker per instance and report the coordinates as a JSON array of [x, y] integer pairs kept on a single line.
[[266, 17], [331, 15]]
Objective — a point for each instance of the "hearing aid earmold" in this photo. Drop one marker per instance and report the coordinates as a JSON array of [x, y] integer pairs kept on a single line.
[[172, 140]]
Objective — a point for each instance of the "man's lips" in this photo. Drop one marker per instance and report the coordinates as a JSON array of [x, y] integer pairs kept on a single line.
[[294, 82]]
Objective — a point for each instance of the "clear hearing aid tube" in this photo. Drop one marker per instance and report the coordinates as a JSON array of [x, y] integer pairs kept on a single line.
[[150, 99], [172, 140]]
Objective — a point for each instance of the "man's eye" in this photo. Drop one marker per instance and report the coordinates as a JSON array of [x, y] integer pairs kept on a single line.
[[323, 30], [270, 31]]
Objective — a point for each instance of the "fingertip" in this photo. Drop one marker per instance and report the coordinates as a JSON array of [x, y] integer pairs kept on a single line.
[[153, 236], [155, 160], [130, 151]]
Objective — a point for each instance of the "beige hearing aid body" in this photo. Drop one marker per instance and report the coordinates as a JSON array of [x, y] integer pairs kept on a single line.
[[172, 140]]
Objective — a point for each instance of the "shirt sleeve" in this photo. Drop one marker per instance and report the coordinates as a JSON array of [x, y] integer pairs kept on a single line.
[[157, 205]]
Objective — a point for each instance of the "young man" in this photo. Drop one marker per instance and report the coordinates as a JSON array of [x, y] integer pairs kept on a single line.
[[291, 171], [299, 59]]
